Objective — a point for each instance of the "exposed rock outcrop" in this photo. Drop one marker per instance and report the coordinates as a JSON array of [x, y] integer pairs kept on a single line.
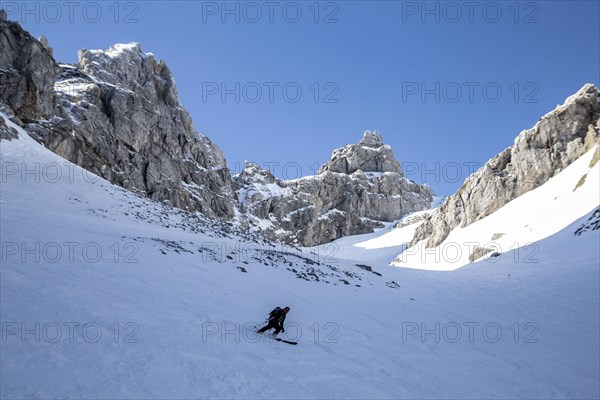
[[27, 74], [370, 154], [358, 189], [592, 223], [117, 114], [123, 107], [538, 154], [6, 132]]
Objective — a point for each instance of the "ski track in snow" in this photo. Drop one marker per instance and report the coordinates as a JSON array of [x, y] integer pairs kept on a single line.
[[351, 343]]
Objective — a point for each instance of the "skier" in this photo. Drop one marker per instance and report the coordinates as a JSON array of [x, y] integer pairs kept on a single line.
[[276, 318]]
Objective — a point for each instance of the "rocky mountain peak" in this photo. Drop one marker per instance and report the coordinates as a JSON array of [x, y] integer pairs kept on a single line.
[[371, 139], [588, 93], [118, 57], [116, 113], [369, 155], [253, 174], [129, 67], [356, 191]]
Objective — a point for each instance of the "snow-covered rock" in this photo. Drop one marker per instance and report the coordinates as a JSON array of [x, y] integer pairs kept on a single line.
[[116, 113], [361, 187], [520, 224], [369, 155], [118, 116], [538, 154]]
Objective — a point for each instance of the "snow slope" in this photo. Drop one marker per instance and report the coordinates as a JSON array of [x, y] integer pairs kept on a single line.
[[535, 215], [164, 279]]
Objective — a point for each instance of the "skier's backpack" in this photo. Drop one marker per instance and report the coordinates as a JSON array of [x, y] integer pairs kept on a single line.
[[275, 313]]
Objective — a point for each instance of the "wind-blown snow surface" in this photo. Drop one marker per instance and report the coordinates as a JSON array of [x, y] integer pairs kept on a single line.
[[169, 294]]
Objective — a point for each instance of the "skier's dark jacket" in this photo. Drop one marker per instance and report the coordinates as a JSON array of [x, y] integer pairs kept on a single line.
[[277, 318]]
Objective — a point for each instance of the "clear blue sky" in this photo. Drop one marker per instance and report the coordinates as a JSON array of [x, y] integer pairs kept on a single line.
[[373, 57]]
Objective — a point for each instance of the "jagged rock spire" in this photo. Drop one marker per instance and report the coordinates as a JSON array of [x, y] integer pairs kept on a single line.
[[369, 155]]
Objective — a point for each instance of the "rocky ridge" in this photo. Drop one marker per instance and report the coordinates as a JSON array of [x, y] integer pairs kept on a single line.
[[558, 139], [359, 189], [116, 113]]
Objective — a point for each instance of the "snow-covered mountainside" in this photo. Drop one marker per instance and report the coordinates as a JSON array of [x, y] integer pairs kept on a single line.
[[359, 189], [519, 225], [116, 113], [557, 140], [105, 294], [542, 183], [132, 265]]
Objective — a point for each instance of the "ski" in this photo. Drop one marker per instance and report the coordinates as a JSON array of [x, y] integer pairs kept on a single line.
[[285, 341]]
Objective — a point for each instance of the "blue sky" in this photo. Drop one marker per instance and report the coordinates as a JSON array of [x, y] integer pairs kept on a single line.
[[448, 84]]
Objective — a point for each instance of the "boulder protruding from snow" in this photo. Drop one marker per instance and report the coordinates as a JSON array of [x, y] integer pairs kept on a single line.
[[6, 132]]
